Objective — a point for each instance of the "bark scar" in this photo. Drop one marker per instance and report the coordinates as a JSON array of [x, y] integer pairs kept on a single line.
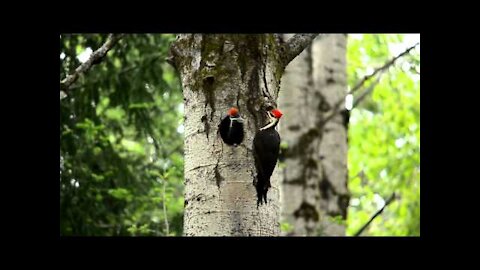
[[205, 122], [238, 98], [218, 177], [264, 71]]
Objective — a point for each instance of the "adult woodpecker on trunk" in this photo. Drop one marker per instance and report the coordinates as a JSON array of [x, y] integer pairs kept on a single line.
[[231, 128], [266, 148]]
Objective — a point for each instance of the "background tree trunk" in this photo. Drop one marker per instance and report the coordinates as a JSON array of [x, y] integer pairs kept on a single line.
[[314, 188], [218, 72]]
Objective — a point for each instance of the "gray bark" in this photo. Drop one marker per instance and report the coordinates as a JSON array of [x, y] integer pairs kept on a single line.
[[314, 187], [218, 72]]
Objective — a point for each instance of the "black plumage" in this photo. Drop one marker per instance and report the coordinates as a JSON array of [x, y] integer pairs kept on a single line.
[[231, 129], [266, 145]]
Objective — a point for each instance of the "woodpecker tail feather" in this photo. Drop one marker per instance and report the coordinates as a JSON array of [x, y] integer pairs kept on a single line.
[[262, 186]]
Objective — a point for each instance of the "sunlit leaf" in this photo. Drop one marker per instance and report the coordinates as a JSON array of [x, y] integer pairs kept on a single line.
[[116, 114]]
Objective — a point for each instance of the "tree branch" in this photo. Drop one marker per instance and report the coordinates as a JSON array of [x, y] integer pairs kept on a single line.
[[95, 58], [167, 230], [336, 106], [387, 202], [366, 92], [295, 45], [385, 66]]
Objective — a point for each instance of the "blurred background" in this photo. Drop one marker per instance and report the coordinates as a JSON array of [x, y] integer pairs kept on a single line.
[[121, 138]]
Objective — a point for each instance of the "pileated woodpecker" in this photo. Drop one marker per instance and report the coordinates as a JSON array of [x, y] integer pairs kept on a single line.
[[231, 128], [266, 147]]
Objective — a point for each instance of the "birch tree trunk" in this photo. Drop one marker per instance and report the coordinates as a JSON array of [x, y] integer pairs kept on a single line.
[[218, 72], [314, 188]]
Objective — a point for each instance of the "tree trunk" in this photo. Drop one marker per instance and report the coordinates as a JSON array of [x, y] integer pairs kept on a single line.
[[314, 188], [219, 72]]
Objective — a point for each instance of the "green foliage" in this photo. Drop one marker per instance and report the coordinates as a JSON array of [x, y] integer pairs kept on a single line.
[[384, 140], [337, 220], [286, 227], [121, 156], [119, 143]]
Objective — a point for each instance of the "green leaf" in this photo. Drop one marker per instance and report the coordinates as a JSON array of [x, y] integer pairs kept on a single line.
[[121, 194], [102, 105], [133, 229], [116, 114], [143, 105], [337, 220], [97, 177], [133, 146], [97, 150], [286, 227], [79, 49], [86, 124]]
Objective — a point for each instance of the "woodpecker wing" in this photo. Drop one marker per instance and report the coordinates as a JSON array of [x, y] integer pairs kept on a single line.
[[266, 150], [267, 147], [236, 132], [224, 128]]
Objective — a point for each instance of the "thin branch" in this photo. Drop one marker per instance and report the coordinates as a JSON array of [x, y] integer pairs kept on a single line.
[[295, 45], [95, 58], [149, 59], [366, 92], [387, 202], [165, 208], [385, 66], [154, 57], [336, 106]]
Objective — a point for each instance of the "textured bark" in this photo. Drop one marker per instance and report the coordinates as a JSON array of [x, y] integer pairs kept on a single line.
[[314, 186], [295, 45], [218, 72]]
